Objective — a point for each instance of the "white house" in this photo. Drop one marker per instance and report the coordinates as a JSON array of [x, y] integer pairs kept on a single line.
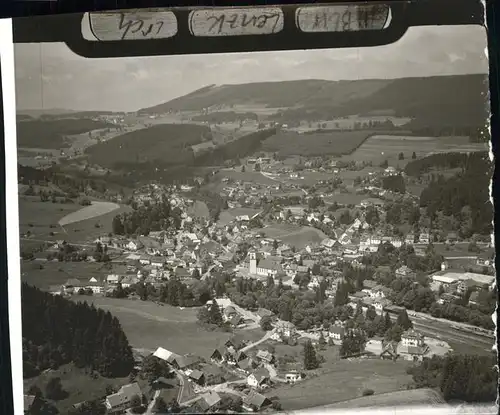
[[337, 333], [96, 286], [293, 377], [132, 246], [412, 338], [424, 238], [259, 379]]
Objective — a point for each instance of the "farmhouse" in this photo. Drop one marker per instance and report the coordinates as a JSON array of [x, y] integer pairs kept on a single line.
[[120, 401], [72, 286], [255, 402], [95, 285], [208, 402], [265, 356], [196, 375], [259, 379]]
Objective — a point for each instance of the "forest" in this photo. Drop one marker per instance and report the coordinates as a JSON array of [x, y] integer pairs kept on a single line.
[[443, 161], [240, 148], [464, 196], [51, 134], [147, 218], [61, 331], [468, 378]]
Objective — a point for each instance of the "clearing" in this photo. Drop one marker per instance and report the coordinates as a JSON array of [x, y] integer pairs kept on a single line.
[[149, 326], [89, 212]]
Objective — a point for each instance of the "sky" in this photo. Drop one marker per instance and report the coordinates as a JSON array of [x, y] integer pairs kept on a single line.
[[50, 76]]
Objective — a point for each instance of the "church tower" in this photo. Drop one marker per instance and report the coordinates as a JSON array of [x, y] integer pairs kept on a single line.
[[253, 262]]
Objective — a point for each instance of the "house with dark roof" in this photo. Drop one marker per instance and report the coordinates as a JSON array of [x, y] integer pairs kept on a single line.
[[120, 401], [197, 375], [208, 402], [389, 351], [236, 342], [248, 365], [265, 356], [254, 401]]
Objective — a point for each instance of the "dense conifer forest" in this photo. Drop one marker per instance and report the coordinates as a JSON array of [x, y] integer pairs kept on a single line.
[[58, 331]]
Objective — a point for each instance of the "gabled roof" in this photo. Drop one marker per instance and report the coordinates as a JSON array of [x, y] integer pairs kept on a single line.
[[256, 399], [211, 398], [124, 395]]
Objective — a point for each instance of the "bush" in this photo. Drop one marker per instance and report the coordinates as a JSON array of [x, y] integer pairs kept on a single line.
[[368, 392]]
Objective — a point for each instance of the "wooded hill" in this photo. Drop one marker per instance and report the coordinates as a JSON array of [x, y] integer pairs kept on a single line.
[[50, 134], [458, 100]]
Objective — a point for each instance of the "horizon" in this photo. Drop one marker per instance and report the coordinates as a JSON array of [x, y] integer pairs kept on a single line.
[[70, 110], [50, 75]]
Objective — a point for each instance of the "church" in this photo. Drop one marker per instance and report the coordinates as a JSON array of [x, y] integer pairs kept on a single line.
[[264, 267]]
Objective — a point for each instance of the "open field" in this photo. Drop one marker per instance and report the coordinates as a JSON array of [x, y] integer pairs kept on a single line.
[[344, 380], [38, 217], [349, 122], [95, 210], [299, 236], [421, 397], [57, 273], [41, 219], [149, 326], [79, 385], [85, 230], [380, 147]]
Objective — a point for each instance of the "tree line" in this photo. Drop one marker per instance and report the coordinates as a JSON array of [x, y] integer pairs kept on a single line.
[[61, 331]]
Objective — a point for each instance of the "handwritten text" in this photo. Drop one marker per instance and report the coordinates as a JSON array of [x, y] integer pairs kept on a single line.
[[234, 22]]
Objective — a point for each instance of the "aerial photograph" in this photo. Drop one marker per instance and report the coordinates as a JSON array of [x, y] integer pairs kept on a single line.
[[262, 232]]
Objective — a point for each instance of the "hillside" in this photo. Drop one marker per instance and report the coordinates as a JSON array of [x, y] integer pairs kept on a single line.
[[445, 99], [50, 134], [166, 144]]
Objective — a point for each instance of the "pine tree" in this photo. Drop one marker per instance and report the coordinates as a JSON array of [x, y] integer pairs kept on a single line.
[[404, 321], [310, 359], [54, 389], [341, 295], [215, 315]]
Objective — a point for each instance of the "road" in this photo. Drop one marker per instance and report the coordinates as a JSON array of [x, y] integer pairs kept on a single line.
[[151, 405], [262, 340]]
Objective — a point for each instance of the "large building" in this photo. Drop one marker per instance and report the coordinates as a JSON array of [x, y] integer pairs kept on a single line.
[[263, 267]]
